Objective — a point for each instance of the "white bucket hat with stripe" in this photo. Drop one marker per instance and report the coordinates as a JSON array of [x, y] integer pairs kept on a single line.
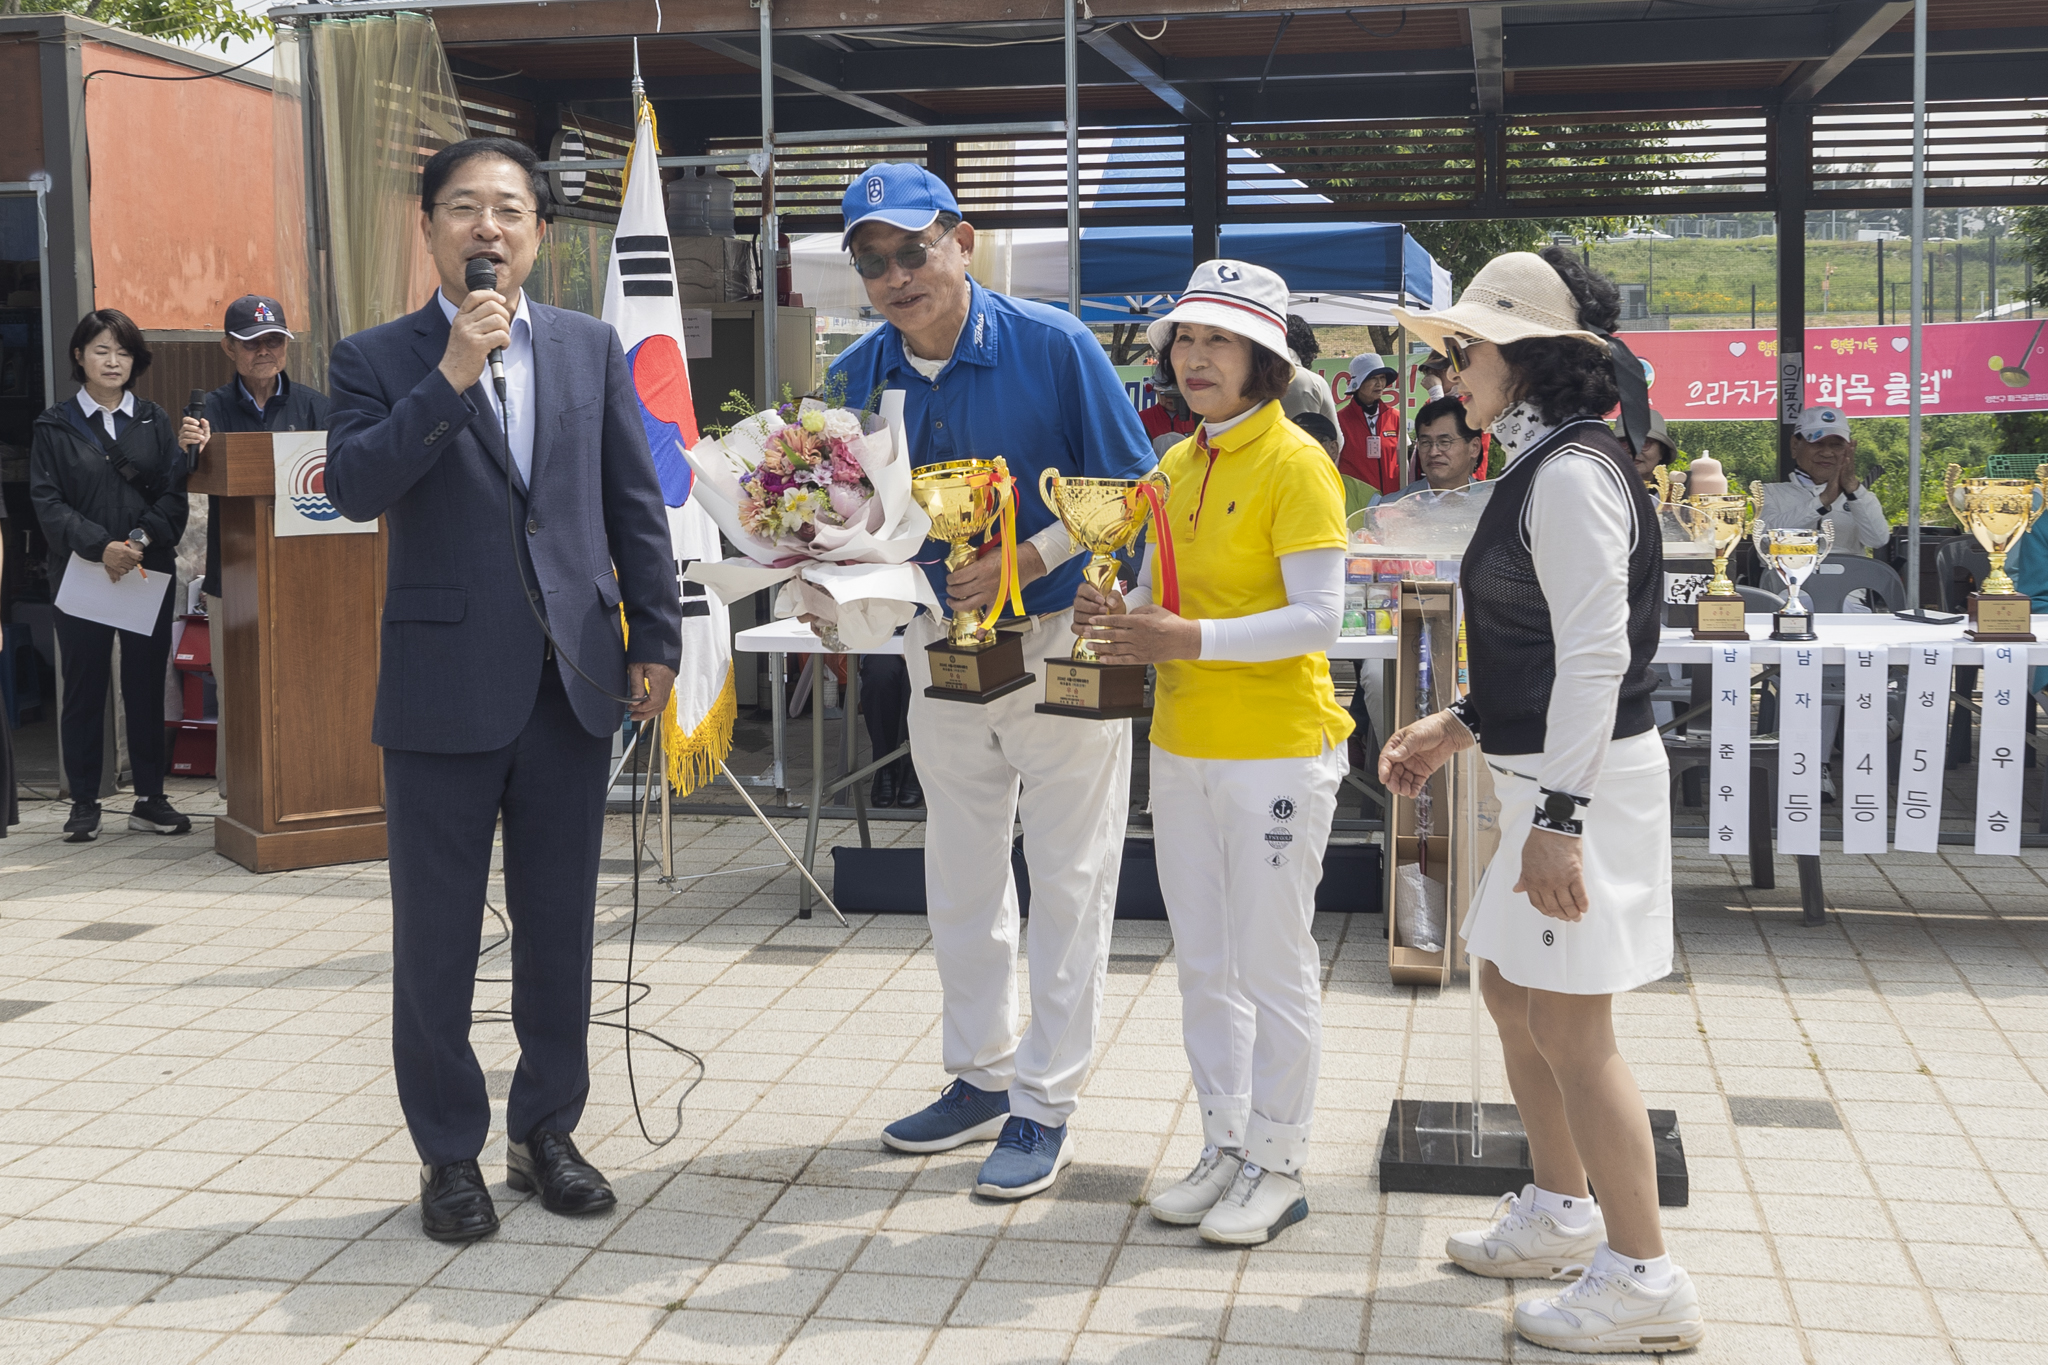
[[1237, 296]]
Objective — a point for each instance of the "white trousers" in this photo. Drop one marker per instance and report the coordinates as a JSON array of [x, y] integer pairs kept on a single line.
[[1240, 845], [1075, 780]]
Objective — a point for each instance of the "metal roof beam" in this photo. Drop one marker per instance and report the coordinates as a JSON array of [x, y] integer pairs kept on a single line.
[[805, 63], [1124, 51], [1856, 28], [1489, 72]]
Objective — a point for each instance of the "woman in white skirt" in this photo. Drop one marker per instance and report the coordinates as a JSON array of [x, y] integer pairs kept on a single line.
[[1561, 587], [1247, 743]]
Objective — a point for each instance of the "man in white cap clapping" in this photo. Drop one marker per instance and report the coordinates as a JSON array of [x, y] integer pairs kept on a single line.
[[1822, 486]]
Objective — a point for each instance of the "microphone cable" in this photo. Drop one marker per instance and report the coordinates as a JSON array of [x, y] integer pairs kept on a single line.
[[635, 989], [474, 276]]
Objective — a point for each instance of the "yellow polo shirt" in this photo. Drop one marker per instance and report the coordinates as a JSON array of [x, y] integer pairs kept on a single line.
[[1264, 489]]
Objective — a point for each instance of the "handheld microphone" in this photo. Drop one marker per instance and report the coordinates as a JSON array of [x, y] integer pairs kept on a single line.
[[195, 407], [481, 274]]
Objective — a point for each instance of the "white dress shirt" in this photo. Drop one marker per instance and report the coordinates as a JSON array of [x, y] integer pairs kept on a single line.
[[519, 383], [88, 405]]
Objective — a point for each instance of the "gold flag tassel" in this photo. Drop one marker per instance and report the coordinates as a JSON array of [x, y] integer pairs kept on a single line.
[[694, 759]]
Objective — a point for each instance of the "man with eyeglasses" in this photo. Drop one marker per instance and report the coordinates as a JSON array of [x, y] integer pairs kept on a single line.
[[521, 520], [261, 397], [984, 375], [1448, 451]]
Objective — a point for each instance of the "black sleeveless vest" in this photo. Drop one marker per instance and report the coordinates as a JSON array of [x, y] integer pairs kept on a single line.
[[1511, 653]]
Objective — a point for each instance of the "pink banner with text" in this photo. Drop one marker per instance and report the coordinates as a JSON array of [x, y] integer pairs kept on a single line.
[[1965, 367]]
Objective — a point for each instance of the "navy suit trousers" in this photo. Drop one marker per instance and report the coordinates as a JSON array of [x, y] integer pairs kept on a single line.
[[443, 810]]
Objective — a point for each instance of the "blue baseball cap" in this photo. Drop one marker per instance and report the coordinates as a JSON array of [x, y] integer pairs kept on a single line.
[[898, 193]]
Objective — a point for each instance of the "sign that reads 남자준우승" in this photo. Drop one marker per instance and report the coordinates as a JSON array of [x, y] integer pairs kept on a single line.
[[303, 508]]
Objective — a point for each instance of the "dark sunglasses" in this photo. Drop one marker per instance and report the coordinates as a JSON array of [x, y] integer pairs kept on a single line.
[[1457, 352], [874, 264]]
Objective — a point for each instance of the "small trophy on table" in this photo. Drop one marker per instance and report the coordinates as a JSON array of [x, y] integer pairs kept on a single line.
[[1793, 555], [1720, 606], [975, 662], [1998, 512], [1104, 516]]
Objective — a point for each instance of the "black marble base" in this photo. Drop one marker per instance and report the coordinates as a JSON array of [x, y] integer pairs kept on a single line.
[[1428, 1150]]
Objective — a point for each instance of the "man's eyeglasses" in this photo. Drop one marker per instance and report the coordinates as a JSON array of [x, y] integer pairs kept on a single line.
[[1447, 444], [873, 265], [469, 215]]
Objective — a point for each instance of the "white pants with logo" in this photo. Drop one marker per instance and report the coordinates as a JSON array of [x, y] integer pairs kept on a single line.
[[1240, 845], [1075, 780]]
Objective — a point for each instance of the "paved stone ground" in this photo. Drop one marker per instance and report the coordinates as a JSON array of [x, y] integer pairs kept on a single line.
[[202, 1156]]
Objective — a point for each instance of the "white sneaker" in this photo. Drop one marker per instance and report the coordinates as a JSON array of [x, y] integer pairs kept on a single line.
[[1607, 1310], [1188, 1201], [1524, 1242], [1258, 1204]]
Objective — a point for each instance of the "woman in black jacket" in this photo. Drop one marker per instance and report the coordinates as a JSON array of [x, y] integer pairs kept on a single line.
[[108, 482]]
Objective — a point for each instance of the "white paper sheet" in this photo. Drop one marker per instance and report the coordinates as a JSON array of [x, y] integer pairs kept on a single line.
[[1799, 756], [1923, 750], [130, 604], [1728, 768], [1864, 760], [2001, 750]]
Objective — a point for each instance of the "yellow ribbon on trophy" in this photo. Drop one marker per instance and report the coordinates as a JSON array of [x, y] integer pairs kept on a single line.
[[1009, 588]]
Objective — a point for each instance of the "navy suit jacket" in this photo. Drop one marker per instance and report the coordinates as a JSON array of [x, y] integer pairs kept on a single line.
[[461, 653]]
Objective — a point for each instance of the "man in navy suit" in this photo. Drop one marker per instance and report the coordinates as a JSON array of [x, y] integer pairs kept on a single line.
[[481, 712]]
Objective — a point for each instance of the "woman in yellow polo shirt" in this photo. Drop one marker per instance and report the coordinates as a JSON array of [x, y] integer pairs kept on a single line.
[[1247, 743]]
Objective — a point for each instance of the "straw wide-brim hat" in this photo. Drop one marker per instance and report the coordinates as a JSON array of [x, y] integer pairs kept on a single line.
[[1515, 297], [1237, 296]]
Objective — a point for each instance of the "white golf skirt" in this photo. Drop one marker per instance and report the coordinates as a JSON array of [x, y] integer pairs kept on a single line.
[[1624, 940]]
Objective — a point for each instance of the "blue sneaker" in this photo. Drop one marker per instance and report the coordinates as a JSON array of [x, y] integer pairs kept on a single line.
[[1026, 1159], [960, 1115]]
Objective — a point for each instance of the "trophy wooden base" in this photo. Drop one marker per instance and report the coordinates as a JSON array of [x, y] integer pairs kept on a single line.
[[978, 673], [1087, 689], [2001, 618], [1792, 625], [1720, 618]]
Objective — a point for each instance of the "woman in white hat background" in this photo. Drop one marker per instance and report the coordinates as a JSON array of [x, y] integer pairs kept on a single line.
[[1247, 743], [1561, 584]]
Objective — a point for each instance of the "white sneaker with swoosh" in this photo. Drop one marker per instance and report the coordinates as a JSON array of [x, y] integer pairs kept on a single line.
[[1607, 1310], [1524, 1242]]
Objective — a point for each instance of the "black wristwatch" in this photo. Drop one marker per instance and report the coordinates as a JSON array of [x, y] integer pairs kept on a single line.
[[1558, 811]]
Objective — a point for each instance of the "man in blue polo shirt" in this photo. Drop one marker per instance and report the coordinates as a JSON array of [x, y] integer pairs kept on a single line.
[[983, 376]]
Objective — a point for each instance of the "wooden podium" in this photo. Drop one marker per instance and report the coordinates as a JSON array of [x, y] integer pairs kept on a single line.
[[305, 784]]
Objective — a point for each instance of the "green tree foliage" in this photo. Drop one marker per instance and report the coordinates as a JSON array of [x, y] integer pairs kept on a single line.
[[2026, 433], [202, 21]]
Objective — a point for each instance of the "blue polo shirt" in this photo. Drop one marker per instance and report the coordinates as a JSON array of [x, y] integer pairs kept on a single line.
[[1026, 382]]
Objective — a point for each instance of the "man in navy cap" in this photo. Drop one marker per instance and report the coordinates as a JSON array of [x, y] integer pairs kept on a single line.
[[984, 376], [261, 397]]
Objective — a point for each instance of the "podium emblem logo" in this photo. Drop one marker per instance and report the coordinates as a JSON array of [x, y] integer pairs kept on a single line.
[[309, 488]]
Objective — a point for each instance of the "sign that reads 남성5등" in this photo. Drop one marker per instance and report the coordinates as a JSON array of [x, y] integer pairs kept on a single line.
[[303, 508], [1735, 375]]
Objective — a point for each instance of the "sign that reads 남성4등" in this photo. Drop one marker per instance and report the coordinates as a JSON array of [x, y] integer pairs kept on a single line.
[[303, 508]]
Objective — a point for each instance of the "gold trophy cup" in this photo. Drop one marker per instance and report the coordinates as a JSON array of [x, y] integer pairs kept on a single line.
[[1103, 516], [974, 664], [1998, 512], [1720, 606]]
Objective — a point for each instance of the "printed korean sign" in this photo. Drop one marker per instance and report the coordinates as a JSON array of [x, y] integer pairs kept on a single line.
[[1965, 367]]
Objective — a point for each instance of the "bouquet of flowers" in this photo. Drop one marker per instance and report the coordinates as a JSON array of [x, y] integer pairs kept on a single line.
[[816, 497]]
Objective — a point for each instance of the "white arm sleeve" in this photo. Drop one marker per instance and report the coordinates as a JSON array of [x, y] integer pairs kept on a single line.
[[1581, 526], [1306, 625], [1866, 518], [1055, 545]]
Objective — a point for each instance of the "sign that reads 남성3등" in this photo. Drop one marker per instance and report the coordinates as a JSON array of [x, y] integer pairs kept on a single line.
[[303, 508], [1732, 375]]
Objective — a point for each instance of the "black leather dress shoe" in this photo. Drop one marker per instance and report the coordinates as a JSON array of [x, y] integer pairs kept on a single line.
[[549, 1162], [909, 792], [884, 793], [454, 1204]]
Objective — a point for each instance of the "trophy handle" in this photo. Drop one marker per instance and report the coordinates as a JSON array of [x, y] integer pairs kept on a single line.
[[1661, 476], [1048, 480], [1827, 539], [1949, 480]]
